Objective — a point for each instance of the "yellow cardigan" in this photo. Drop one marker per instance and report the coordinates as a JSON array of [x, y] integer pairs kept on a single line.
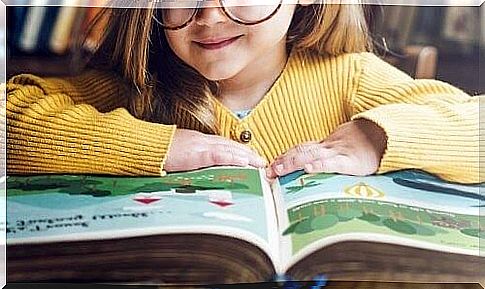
[[78, 124]]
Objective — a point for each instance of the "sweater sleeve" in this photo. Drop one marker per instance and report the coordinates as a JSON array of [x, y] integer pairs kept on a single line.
[[430, 125], [79, 125]]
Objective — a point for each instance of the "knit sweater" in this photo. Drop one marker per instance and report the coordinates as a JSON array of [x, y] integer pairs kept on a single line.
[[80, 124]]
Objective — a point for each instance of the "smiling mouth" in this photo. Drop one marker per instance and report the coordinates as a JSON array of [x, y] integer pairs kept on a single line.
[[217, 44]]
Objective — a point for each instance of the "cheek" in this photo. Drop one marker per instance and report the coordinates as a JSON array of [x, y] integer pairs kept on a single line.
[[282, 20], [176, 41], [274, 29]]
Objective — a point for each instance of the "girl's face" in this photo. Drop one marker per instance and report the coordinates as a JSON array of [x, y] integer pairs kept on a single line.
[[219, 48]]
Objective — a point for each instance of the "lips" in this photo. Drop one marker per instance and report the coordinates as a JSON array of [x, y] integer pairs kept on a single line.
[[216, 43]]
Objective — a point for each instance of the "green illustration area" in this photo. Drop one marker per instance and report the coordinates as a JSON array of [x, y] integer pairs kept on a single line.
[[244, 181], [313, 221], [307, 181]]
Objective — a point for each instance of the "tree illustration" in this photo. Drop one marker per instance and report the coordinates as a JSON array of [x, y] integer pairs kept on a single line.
[[319, 210], [473, 232], [370, 217], [156, 187], [424, 230], [194, 188], [88, 187], [300, 216], [403, 227], [304, 226], [320, 176], [189, 188], [292, 226], [324, 222], [346, 212], [38, 184], [300, 225], [303, 185], [72, 185]]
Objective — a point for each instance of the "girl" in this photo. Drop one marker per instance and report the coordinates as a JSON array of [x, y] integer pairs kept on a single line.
[[286, 86]]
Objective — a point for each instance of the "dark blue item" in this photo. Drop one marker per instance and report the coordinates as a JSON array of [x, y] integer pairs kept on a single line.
[[18, 22], [291, 177], [286, 282], [46, 29]]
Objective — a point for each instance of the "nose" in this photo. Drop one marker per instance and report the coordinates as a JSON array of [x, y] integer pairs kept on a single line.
[[210, 14]]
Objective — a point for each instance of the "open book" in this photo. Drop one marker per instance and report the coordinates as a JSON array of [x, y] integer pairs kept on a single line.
[[228, 225]]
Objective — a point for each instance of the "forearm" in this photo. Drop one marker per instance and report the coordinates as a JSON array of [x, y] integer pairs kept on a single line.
[[51, 134], [441, 139]]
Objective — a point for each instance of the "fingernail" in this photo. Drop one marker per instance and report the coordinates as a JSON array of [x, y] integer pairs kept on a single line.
[[269, 173], [279, 168], [308, 167]]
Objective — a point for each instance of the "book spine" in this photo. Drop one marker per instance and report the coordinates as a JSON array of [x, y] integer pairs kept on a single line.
[[46, 29], [482, 26], [75, 41], [31, 29], [63, 28], [18, 22]]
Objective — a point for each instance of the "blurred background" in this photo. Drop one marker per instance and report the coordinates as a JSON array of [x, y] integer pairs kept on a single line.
[[442, 42], [438, 42]]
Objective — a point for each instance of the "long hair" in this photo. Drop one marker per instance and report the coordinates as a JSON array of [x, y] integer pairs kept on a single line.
[[166, 90]]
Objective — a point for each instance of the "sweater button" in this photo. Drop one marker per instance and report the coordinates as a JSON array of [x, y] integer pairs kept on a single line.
[[245, 136]]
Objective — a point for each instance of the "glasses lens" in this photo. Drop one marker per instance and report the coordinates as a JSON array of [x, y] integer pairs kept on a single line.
[[177, 13], [251, 11]]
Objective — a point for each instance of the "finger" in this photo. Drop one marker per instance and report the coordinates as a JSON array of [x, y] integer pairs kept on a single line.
[[296, 162], [222, 158], [270, 173], [253, 158], [305, 148], [336, 164], [297, 149], [309, 155], [317, 166]]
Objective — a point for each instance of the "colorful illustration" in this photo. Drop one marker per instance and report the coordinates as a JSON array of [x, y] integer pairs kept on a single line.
[[411, 205], [221, 198], [64, 205], [98, 186], [384, 205], [302, 185]]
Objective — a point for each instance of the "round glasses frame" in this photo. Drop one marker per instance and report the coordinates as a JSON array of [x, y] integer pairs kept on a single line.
[[226, 12]]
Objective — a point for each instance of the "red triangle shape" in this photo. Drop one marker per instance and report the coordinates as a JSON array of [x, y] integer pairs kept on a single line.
[[222, 203], [146, 201]]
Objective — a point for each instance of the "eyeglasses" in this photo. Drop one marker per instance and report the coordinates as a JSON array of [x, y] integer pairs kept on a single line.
[[177, 14]]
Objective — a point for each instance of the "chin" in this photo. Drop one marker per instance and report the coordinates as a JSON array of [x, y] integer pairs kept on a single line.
[[218, 67], [218, 74]]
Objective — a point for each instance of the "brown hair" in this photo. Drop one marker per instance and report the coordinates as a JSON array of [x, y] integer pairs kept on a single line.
[[169, 91]]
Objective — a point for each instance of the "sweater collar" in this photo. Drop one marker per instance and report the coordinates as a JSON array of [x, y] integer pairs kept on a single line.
[[294, 58]]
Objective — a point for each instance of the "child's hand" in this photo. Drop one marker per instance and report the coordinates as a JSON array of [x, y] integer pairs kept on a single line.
[[354, 148], [192, 150]]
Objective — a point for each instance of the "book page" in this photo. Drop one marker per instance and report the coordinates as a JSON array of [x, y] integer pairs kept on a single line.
[[226, 201], [411, 208]]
